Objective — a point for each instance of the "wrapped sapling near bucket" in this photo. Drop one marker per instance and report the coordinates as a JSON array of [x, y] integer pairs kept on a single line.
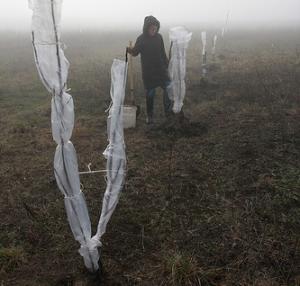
[[115, 151]]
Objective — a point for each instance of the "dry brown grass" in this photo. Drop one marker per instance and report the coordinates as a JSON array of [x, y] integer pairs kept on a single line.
[[213, 201]]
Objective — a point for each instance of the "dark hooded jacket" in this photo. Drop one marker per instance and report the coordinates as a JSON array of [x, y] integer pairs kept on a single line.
[[153, 56]]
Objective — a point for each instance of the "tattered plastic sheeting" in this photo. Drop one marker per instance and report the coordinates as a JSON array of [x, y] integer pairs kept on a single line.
[[180, 39], [115, 151], [53, 70]]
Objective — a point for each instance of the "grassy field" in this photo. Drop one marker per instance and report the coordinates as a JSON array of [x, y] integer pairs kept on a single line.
[[212, 202]]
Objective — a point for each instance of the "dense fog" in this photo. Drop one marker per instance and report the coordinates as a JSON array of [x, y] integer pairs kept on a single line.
[[117, 14]]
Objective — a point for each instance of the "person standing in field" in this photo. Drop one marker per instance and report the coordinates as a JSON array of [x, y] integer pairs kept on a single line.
[[150, 45]]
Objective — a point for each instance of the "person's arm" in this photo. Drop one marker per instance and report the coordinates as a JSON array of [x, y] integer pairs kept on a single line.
[[163, 53], [136, 49]]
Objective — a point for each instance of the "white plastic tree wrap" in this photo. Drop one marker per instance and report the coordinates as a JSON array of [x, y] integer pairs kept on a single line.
[[223, 32], [203, 38], [115, 151], [53, 70], [214, 46], [204, 42], [224, 29], [180, 39]]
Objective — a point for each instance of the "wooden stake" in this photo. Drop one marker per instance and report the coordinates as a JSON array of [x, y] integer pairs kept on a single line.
[[131, 83]]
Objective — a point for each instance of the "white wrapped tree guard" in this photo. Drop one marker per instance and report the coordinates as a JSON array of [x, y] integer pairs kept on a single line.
[[214, 45], [115, 151], [223, 32], [53, 67], [204, 54], [203, 38], [53, 70], [224, 29], [180, 39]]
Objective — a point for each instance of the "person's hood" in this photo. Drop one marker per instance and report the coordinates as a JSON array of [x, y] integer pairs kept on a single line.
[[150, 20]]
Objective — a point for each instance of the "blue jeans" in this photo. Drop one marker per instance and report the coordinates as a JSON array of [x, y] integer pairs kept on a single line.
[[150, 94]]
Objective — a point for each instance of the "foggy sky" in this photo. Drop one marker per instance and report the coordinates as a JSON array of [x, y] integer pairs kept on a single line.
[[81, 14]]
